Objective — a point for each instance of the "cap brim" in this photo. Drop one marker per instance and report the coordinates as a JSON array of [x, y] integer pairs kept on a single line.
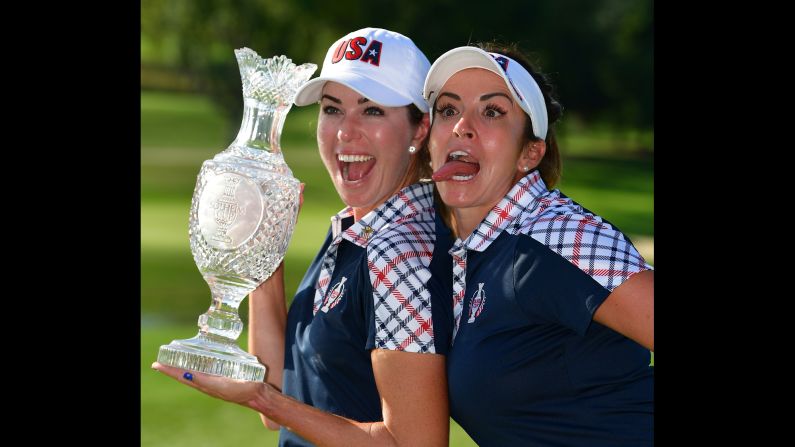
[[311, 92], [454, 61]]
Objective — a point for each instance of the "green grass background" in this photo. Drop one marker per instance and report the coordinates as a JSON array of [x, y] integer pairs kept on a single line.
[[180, 131]]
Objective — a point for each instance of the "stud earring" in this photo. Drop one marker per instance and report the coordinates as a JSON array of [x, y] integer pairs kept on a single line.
[[525, 169], [412, 149]]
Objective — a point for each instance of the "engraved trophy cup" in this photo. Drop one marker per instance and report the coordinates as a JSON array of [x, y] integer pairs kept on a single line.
[[242, 216]]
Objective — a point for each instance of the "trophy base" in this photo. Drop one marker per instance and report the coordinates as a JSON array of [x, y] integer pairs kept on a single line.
[[212, 356]]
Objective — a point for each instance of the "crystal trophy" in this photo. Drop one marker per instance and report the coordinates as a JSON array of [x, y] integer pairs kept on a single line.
[[242, 216]]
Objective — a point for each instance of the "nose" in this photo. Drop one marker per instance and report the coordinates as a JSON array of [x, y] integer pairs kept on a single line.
[[462, 128], [347, 130]]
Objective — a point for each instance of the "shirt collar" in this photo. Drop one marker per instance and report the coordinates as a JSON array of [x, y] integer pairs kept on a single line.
[[520, 198], [407, 202]]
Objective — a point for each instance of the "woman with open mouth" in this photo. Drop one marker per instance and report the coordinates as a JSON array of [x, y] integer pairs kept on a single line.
[[362, 359], [553, 305]]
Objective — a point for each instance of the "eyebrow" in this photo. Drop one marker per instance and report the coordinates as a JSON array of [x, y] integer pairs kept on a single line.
[[338, 101], [452, 95], [482, 98], [491, 95]]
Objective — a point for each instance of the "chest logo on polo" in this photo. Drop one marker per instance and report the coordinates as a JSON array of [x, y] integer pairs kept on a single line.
[[477, 303], [333, 296]]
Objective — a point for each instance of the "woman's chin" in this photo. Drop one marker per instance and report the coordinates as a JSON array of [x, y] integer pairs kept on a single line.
[[454, 196], [357, 197]]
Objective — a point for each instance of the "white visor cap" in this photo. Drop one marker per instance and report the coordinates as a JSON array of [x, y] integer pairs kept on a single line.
[[523, 87], [381, 65]]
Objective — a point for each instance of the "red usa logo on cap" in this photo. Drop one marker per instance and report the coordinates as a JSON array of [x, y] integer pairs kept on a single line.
[[351, 49]]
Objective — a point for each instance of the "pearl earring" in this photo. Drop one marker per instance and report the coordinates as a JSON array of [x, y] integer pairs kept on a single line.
[[412, 149], [526, 169]]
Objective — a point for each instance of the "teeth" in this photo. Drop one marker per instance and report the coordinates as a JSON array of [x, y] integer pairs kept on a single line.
[[462, 177], [354, 158], [457, 154]]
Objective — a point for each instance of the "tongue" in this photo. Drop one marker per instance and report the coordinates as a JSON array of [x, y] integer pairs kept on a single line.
[[452, 168], [357, 170]]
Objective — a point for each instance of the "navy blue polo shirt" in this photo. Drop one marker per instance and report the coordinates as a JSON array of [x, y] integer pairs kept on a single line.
[[382, 282], [528, 366]]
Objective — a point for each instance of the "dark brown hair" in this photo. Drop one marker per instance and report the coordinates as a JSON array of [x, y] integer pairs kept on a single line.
[[420, 164], [549, 167]]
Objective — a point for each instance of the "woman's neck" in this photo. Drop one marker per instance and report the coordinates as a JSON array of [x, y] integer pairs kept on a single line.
[[358, 213], [468, 219]]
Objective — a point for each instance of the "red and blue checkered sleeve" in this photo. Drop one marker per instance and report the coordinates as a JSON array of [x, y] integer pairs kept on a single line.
[[593, 245], [398, 263]]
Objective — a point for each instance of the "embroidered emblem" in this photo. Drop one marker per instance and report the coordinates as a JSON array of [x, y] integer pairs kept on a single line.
[[334, 295], [477, 303]]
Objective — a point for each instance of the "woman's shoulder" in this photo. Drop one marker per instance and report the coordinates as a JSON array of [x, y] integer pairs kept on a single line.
[[582, 238], [416, 227], [555, 212]]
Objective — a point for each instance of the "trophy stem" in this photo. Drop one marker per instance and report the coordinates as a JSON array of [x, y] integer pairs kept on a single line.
[[213, 350], [222, 319]]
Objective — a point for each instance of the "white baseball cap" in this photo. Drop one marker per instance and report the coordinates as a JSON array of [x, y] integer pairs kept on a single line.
[[523, 87], [381, 65]]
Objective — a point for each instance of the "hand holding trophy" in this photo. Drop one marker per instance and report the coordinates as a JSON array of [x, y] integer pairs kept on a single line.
[[242, 216]]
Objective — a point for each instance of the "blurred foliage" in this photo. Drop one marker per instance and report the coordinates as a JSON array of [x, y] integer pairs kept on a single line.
[[599, 53]]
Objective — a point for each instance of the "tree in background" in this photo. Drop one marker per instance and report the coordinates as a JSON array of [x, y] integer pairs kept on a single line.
[[599, 52]]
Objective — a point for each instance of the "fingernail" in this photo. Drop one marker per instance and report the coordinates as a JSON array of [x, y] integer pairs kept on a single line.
[[188, 376]]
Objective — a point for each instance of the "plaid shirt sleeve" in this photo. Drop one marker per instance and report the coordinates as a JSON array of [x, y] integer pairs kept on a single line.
[[398, 263], [594, 246]]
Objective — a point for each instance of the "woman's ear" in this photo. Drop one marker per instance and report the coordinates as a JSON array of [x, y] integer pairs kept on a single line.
[[421, 133], [531, 156]]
